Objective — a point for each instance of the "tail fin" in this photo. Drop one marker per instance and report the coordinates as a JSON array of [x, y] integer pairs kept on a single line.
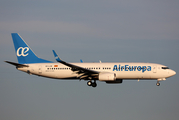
[[24, 53]]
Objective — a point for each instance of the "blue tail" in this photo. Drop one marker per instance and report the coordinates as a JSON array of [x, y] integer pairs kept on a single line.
[[24, 53]]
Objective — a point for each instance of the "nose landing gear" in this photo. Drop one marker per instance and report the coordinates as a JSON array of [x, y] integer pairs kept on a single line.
[[158, 84], [93, 84]]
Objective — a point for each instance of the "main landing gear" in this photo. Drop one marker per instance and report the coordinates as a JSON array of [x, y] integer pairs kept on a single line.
[[158, 84], [93, 84]]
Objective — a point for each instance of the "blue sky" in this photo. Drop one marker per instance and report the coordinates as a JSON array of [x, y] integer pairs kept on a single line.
[[92, 30]]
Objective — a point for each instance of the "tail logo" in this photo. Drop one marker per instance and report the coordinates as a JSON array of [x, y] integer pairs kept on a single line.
[[22, 51]]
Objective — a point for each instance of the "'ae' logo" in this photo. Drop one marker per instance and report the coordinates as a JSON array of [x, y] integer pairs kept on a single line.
[[22, 51]]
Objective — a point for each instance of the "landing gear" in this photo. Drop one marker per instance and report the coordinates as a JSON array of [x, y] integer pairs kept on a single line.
[[93, 84], [158, 84], [89, 83]]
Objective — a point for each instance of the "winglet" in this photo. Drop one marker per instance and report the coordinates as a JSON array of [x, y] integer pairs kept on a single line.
[[81, 60], [56, 56]]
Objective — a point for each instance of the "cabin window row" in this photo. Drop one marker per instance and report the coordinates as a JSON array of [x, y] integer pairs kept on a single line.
[[58, 68], [98, 68], [70, 68], [129, 68]]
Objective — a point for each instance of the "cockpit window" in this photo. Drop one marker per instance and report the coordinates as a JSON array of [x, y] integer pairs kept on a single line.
[[165, 68]]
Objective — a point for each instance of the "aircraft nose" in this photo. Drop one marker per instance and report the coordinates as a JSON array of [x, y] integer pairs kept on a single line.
[[172, 72]]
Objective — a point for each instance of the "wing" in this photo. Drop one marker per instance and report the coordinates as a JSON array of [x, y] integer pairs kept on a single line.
[[83, 73]]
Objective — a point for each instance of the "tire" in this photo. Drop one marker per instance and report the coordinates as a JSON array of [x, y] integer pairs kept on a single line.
[[94, 84], [89, 83], [158, 84]]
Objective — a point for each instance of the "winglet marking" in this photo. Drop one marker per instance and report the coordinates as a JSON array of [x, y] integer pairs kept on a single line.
[[56, 56]]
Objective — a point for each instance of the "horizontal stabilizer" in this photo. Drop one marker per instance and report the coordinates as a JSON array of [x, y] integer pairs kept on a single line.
[[16, 64]]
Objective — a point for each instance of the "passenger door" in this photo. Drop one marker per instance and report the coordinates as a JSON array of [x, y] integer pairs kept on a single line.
[[40, 69], [154, 69]]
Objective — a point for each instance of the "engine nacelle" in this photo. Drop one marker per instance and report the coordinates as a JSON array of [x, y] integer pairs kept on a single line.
[[107, 77]]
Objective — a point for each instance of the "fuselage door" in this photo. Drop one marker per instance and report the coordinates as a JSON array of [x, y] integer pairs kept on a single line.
[[40, 69], [154, 69]]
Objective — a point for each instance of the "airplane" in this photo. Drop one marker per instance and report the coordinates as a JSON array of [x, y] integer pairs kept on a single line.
[[111, 73]]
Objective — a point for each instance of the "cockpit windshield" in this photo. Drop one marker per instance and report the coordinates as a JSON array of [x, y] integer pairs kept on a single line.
[[165, 68]]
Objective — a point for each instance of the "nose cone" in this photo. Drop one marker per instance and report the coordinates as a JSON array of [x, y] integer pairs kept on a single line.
[[172, 72]]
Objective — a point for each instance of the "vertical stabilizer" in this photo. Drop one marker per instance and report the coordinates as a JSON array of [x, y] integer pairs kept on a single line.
[[24, 53]]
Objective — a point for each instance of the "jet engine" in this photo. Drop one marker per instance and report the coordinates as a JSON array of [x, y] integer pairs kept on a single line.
[[107, 77]]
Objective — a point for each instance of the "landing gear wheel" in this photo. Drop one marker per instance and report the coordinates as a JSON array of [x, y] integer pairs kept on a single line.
[[94, 84], [89, 83], [158, 84]]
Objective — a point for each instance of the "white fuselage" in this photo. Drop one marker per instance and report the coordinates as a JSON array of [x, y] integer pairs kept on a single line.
[[122, 70]]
